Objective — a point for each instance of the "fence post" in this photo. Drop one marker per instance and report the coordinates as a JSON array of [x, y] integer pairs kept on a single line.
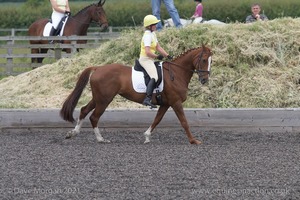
[[57, 53], [9, 59], [74, 49], [12, 58], [13, 32]]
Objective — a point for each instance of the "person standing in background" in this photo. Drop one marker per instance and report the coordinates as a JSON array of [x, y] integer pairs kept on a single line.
[[171, 10], [256, 16], [197, 17]]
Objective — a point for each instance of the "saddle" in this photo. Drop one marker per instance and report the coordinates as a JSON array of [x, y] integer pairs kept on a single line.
[[60, 25], [138, 67], [157, 93], [60, 28]]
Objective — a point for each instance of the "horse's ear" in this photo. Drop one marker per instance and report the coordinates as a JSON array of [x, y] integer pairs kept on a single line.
[[204, 44], [100, 3]]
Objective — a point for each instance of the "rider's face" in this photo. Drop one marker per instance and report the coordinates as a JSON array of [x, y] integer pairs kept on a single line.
[[153, 27]]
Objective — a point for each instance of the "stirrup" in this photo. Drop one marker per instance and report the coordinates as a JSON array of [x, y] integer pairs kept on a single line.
[[148, 103]]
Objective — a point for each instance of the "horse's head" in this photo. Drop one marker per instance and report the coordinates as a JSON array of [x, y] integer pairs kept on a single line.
[[99, 15], [202, 63]]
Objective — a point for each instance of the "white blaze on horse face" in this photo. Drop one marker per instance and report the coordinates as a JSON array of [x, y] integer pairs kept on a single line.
[[209, 63]]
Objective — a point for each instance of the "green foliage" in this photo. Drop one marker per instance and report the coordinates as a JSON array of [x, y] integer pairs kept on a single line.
[[35, 3], [132, 12], [254, 65]]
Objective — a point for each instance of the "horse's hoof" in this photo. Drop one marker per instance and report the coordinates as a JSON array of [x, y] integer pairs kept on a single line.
[[147, 141], [69, 135], [196, 142], [104, 141]]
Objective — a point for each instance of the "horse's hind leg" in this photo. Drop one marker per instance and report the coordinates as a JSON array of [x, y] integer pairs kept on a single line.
[[40, 60], [95, 116], [83, 113], [35, 51], [159, 115]]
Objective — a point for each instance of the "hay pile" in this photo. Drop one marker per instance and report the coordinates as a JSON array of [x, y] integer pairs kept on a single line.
[[254, 65]]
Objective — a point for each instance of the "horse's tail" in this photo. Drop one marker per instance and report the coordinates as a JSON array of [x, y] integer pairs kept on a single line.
[[70, 103]]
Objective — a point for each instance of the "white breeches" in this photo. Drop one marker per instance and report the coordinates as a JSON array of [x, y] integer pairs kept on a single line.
[[56, 17], [197, 20]]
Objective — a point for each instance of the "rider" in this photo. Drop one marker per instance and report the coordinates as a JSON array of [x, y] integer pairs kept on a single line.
[[149, 45], [197, 16], [60, 8]]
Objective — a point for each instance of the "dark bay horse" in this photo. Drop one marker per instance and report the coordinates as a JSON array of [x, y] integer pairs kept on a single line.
[[109, 80], [76, 25]]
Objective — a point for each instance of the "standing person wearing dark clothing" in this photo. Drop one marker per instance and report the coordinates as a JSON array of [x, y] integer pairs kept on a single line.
[[256, 16]]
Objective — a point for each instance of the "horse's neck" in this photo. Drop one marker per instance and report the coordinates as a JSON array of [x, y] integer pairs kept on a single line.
[[184, 68], [81, 22]]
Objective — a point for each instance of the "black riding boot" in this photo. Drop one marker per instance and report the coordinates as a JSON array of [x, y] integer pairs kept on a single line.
[[149, 91], [52, 33]]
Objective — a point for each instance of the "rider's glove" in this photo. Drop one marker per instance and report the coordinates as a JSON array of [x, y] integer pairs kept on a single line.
[[68, 13], [170, 57], [160, 57]]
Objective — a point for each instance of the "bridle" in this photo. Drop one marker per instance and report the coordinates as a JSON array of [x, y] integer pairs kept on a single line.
[[198, 71], [94, 22], [98, 17]]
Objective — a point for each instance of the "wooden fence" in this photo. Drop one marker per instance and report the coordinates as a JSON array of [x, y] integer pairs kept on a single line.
[[12, 62]]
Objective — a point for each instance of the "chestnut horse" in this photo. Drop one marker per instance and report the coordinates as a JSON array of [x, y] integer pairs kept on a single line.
[[109, 80], [76, 25]]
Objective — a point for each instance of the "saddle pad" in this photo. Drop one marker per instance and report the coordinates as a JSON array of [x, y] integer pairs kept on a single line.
[[138, 82], [48, 28]]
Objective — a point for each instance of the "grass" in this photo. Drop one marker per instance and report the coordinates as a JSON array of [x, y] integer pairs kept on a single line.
[[254, 66], [21, 60]]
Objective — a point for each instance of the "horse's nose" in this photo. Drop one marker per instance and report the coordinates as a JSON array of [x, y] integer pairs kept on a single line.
[[104, 26]]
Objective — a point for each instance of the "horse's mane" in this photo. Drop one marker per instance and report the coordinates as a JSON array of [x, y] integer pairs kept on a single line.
[[185, 52], [83, 9]]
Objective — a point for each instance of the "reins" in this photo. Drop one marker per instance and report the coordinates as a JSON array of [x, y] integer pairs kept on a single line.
[[80, 22], [198, 71], [85, 10]]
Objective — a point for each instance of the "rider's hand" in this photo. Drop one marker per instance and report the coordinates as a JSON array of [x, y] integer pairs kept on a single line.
[[160, 57], [68, 13], [170, 57]]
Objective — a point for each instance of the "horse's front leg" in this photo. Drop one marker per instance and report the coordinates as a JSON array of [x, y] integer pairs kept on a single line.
[[159, 115], [181, 116]]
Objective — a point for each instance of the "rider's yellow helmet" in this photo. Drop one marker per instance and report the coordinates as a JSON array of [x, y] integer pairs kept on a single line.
[[149, 20]]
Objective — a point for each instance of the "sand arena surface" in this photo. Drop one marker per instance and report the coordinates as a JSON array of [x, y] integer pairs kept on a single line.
[[41, 164]]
